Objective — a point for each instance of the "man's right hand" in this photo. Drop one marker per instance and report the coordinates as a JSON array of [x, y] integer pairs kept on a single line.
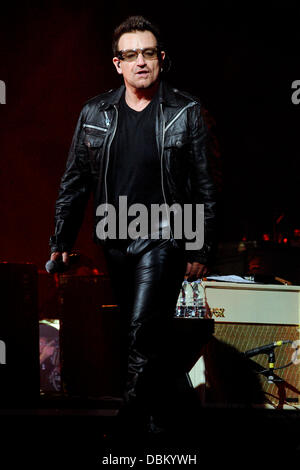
[[58, 256]]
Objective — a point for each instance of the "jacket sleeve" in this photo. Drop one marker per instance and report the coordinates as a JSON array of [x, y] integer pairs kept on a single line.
[[203, 189], [74, 191]]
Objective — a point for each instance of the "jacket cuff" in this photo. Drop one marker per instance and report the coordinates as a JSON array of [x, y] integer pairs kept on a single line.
[[196, 258], [56, 245], [199, 256]]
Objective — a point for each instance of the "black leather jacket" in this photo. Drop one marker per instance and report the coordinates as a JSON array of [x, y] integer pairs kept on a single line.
[[182, 140]]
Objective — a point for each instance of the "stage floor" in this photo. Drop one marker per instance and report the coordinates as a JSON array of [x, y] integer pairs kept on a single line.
[[80, 431]]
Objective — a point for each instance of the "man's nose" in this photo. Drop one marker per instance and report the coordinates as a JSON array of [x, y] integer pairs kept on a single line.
[[140, 59]]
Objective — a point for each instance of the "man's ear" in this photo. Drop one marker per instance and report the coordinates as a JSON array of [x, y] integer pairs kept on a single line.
[[161, 59], [117, 64]]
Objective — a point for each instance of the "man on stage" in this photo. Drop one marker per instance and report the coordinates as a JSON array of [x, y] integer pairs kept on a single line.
[[144, 143]]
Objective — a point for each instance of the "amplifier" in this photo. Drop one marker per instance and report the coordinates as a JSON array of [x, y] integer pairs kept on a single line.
[[248, 316], [19, 331], [90, 332], [93, 343]]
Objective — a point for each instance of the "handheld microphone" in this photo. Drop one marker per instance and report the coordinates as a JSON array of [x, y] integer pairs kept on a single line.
[[266, 348], [58, 266], [53, 267]]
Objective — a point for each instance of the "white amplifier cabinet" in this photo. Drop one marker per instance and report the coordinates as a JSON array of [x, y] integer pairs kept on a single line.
[[248, 316]]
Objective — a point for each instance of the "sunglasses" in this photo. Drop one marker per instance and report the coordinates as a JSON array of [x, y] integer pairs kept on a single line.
[[130, 55]]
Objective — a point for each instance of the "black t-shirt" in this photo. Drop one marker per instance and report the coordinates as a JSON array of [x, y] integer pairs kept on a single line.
[[134, 163]]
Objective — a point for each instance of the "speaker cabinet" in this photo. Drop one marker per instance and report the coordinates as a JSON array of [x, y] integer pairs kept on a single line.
[[89, 337], [93, 339], [19, 332], [248, 317], [233, 378]]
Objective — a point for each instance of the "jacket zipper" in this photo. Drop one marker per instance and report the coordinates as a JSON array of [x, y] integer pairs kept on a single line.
[[165, 128], [107, 161], [95, 127], [107, 121], [179, 114], [161, 165]]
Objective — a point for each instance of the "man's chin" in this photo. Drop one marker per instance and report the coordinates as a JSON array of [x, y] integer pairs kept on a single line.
[[143, 84]]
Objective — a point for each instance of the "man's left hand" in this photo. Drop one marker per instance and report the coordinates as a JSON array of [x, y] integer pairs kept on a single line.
[[195, 271]]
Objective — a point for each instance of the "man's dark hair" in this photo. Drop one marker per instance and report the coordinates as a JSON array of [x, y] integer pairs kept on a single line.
[[134, 23]]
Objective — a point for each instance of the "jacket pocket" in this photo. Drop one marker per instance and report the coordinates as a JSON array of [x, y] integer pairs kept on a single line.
[[94, 135], [176, 168], [176, 141], [94, 140]]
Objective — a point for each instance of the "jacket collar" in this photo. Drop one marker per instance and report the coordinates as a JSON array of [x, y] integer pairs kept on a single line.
[[166, 95], [111, 98]]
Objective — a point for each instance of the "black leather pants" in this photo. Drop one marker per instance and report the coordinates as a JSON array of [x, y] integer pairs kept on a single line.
[[146, 278]]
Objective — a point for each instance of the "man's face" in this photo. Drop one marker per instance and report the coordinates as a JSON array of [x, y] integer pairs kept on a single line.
[[141, 73]]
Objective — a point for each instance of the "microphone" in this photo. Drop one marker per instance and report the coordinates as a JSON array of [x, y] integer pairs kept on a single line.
[[266, 348], [53, 267], [59, 266]]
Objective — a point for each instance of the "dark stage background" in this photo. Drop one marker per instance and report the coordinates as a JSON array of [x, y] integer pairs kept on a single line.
[[241, 62]]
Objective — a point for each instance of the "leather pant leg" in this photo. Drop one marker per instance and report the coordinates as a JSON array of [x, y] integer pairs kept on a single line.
[[147, 284]]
